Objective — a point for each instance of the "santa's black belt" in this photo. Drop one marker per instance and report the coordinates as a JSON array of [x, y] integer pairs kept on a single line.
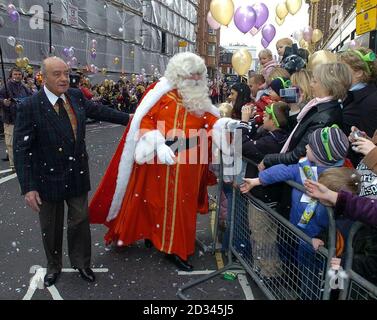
[[180, 144]]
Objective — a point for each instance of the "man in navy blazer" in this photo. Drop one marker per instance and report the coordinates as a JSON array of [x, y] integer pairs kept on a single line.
[[52, 164]]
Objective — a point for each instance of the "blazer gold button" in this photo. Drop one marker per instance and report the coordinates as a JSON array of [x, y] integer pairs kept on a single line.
[[60, 149]]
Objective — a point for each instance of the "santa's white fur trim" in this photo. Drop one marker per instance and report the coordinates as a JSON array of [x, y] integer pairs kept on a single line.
[[147, 145], [127, 158]]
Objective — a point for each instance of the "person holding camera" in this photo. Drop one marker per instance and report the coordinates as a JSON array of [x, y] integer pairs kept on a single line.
[[9, 95]]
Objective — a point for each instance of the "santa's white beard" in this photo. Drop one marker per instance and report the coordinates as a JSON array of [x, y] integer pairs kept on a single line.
[[195, 96]]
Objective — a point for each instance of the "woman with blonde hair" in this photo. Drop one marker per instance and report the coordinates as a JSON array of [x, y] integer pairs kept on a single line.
[[360, 106]]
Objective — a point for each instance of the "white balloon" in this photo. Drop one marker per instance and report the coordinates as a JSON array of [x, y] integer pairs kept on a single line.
[[11, 41]]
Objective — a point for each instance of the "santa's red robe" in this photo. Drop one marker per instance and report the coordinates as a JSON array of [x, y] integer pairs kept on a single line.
[[160, 202]]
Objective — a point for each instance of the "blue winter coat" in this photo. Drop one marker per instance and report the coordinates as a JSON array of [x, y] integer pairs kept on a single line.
[[282, 172]]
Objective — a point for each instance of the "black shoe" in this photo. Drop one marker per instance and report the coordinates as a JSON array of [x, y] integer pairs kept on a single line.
[[180, 263], [50, 278], [148, 243], [87, 274]]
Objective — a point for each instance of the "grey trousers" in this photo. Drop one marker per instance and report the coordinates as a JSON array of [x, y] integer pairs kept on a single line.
[[51, 218]]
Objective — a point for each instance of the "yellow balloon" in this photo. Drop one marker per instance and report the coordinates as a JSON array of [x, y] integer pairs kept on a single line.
[[19, 62], [317, 35], [241, 61], [104, 71], [222, 11], [102, 90], [25, 62], [19, 49], [303, 44], [281, 10], [279, 21], [293, 6], [321, 57], [116, 60], [106, 82]]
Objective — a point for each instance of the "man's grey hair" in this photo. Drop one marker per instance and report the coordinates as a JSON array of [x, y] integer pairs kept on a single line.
[[44, 67]]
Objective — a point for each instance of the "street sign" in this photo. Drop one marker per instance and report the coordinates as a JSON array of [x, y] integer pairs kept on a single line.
[[366, 21], [365, 5], [72, 15]]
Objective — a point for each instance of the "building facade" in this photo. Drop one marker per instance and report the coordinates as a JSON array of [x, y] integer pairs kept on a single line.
[[208, 40], [142, 34], [337, 20]]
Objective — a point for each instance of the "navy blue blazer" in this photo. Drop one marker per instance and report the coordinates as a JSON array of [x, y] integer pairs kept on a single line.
[[47, 157]]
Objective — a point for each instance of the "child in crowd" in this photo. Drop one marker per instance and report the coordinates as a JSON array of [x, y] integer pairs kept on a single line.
[[257, 84], [267, 62], [225, 110], [327, 148], [276, 73], [281, 45]]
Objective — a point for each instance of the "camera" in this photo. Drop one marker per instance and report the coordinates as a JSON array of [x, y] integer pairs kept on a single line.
[[74, 80], [357, 134], [290, 95]]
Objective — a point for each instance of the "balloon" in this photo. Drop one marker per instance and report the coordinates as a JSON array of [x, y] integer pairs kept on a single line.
[[317, 35], [102, 90], [116, 60], [222, 11], [11, 41], [321, 57], [66, 52], [297, 35], [14, 16], [25, 62], [11, 8], [71, 52], [245, 18], [120, 29], [19, 49], [93, 54], [241, 61], [308, 34], [281, 10], [262, 13], [142, 70], [19, 62], [279, 21], [354, 44], [265, 43], [69, 64], [104, 71], [268, 32], [304, 44], [94, 43], [92, 68], [53, 49], [212, 22], [293, 6], [106, 82], [74, 61], [2, 22], [254, 31]]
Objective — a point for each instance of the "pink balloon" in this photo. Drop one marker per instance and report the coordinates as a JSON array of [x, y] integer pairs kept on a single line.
[[265, 43], [212, 22], [308, 34], [268, 32]]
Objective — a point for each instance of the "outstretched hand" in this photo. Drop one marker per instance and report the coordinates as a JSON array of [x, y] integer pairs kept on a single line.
[[322, 193], [249, 184]]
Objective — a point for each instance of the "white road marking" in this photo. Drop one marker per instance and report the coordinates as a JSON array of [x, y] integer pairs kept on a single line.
[[205, 272], [6, 171], [12, 176], [245, 287], [36, 282]]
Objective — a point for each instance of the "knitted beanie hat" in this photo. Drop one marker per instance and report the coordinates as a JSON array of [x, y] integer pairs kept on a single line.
[[329, 145], [279, 83]]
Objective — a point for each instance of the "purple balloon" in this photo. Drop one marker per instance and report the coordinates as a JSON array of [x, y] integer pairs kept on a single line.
[[14, 16], [74, 61], [268, 32], [66, 52], [265, 43], [93, 54], [245, 18], [262, 13]]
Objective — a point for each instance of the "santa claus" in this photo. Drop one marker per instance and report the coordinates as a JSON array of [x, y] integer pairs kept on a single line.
[[153, 190]]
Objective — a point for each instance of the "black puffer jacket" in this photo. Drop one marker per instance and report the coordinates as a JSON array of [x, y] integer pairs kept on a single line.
[[320, 116], [360, 110]]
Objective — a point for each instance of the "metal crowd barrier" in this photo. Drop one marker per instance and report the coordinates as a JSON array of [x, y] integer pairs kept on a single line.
[[277, 255], [355, 286]]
